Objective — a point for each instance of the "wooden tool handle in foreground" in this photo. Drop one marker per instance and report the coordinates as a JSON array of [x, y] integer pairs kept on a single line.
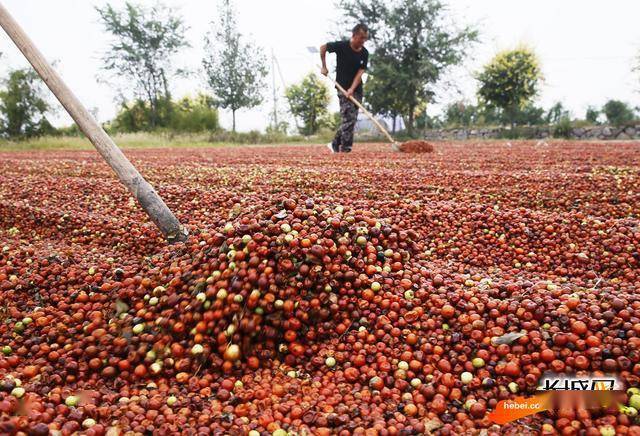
[[126, 172], [366, 112]]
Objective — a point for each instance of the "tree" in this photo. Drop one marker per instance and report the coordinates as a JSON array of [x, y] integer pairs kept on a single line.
[[461, 114], [426, 122], [510, 81], [529, 115], [309, 101], [142, 52], [415, 44], [592, 115], [23, 105], [618, 113], [380, 99], [235, 70], [556, 113]]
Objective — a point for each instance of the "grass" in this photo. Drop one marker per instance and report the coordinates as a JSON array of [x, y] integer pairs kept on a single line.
[[167, 140], [125, 141]]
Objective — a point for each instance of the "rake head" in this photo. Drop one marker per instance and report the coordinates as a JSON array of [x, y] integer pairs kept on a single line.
[[413, 147]]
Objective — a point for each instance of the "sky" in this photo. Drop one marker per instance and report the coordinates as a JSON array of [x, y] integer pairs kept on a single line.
[[587, 48]]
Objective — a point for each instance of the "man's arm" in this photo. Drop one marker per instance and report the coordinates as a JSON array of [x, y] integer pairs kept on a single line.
[[323, 58], [356, 82]]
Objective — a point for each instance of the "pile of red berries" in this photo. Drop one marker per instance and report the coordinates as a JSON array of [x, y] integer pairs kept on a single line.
[[312, 298]]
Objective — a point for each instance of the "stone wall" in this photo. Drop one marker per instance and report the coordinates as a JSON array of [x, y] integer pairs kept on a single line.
[[536, 132]]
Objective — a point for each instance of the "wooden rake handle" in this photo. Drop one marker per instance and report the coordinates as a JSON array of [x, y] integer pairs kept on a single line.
[[366, 112]]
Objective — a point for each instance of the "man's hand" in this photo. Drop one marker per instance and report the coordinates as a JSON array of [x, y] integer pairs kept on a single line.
[[356, 82], [323, 60], [349, 93]]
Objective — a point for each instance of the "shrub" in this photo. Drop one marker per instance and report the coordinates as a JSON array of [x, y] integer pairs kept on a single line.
[[518, 132], [187, 115], [194, 115], [332, 121], [562, 128], [252, 137], [618, 113]]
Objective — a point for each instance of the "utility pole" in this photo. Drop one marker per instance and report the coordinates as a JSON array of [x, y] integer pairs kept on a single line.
[[275, 96], [284, 86]]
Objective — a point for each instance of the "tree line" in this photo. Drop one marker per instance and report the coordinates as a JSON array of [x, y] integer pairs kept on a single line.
[[508, 85], [140, 62], [415, 43]]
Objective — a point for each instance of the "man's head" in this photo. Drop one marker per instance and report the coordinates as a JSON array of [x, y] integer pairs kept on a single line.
[[359, 36]]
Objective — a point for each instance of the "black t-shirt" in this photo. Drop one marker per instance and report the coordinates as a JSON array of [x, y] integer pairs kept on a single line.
[[348, 62]]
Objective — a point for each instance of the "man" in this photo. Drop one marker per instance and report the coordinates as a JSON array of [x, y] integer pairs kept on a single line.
[[352, 58]]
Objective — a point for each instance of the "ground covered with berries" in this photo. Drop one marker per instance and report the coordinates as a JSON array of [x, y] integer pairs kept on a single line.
[[368, 293]]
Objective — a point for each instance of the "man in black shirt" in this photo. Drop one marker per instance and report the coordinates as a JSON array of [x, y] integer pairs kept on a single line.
[[352, 58]]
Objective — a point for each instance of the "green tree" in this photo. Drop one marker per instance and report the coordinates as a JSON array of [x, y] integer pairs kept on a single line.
[[510, 81], [426, 122], [309, 101], [618, 113], [235, 70], [380, 99], [556, 113], [529, 115], [461, 114], [415, 44], [23, 105], [141, 54], [488, 115], [592, 115]]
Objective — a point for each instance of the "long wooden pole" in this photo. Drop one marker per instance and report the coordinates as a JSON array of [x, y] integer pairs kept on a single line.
[[126, 172]]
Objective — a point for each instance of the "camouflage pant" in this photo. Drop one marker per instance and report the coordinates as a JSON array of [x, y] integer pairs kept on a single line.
[[349, 112]]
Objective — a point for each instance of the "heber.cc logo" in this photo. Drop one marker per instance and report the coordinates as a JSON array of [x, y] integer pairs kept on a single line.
[[558, 391]]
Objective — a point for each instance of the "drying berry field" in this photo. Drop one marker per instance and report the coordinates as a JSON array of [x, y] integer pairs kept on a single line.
[[370, 293]]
